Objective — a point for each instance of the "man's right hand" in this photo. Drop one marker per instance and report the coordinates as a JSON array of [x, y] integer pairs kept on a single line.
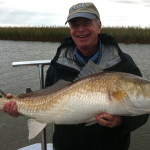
[[11, 107]]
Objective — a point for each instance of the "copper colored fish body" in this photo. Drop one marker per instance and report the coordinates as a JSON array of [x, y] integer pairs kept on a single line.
[[78, 102]]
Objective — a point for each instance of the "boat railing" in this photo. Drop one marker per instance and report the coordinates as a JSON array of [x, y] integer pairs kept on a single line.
[[40, 64]]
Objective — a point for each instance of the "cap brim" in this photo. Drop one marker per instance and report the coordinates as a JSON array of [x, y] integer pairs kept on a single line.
[[81, 14]]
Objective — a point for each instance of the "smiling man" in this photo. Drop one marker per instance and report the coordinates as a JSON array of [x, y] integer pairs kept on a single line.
[[85, 26], [85, 32], [88, 44]]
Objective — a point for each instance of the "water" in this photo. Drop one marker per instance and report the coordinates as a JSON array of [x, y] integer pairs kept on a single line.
[[13, 131]]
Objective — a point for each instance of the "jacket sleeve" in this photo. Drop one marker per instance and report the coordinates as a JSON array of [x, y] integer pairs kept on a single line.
[[131, 123]]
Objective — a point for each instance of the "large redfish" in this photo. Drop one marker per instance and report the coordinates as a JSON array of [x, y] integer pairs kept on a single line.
[[115, 93]]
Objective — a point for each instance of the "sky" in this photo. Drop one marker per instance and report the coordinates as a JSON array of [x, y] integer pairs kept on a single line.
[[113, 13]]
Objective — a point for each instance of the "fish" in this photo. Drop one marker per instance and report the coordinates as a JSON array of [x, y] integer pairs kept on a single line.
[[93, 92]]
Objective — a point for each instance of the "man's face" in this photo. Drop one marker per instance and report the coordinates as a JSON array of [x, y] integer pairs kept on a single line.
[[85, 32]]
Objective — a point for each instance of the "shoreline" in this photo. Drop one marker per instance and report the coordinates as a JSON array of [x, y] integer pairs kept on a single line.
[[57, 34]]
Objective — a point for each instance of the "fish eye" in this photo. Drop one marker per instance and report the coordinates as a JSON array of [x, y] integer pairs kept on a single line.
[[0, 96]]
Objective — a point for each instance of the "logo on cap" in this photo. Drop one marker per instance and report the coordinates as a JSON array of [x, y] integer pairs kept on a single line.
[[77, 6]]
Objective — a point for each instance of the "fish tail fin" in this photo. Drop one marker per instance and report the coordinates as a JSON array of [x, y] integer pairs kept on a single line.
[[3, 99], [2, 94]]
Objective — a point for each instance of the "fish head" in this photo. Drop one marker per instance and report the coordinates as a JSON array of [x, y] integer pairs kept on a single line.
[[136, 91]]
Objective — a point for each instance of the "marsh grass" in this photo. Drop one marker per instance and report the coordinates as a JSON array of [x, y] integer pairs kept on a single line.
[[130, 34], [57, 34], [52, 34]]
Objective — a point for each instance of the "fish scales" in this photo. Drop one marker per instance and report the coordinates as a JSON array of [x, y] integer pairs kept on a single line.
[[78, 102], [91, 85]]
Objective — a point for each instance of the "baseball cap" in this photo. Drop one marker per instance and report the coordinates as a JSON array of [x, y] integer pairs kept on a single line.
[[86, 10]]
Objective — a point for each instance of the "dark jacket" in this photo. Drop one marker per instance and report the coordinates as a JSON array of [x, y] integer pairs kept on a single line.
[[94, 137]]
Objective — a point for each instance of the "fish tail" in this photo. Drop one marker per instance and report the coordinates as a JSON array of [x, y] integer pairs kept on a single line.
[[3, 99], [2, 94]]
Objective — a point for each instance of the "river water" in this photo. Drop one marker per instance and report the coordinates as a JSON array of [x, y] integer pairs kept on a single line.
[[13, 131]]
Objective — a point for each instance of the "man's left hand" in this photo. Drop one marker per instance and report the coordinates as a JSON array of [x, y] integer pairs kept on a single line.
[[109, 120]]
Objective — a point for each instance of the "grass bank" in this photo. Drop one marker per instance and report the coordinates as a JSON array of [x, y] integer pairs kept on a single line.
[[57, 34]]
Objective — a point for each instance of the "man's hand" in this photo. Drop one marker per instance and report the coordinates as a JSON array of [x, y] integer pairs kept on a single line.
[[11, 107], [109, 120]]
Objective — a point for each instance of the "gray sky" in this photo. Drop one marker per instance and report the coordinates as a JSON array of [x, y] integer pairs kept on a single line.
[[54, 12]]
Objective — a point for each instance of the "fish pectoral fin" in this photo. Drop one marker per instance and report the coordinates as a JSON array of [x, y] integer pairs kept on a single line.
[[35, 128], [91, 122]]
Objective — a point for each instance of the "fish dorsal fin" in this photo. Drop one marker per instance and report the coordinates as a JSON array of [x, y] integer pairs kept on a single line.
[[57, 86], [89, 69], [34, 128]]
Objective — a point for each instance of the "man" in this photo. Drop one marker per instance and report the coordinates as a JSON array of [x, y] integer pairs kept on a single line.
[[87, 44]]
